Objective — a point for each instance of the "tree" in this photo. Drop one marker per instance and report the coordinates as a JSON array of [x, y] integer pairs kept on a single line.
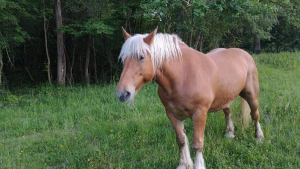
[[31, 37], [88, 25], [61, 58], [46, 43], [11, 34], [285, 34]]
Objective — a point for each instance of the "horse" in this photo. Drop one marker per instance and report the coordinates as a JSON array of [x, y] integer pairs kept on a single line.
[[191, 84]]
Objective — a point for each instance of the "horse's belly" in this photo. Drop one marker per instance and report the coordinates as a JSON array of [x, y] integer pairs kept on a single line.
[[215, 108], [222, 102]]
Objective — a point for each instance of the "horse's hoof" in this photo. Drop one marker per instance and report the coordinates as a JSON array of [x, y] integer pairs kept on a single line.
[[181, 167], [199, 167], [185, 166], [260, 138], [230, 135]]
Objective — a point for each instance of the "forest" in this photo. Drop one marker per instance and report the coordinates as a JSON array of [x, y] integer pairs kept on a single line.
[[59, 68], [78, 41]]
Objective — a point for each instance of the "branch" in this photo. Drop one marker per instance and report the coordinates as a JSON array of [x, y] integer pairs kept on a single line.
[[67, 5], [187, 3], [9, 60], [30, 75]]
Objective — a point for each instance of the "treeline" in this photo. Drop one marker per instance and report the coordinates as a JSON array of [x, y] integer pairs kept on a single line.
[[72, 41]]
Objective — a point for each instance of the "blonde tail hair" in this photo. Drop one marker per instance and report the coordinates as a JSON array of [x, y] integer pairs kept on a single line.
[[245, 112]]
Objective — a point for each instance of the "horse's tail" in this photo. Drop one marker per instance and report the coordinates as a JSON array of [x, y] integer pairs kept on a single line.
[[245, 112]]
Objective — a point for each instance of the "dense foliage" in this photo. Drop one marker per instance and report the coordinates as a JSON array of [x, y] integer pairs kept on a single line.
[[90, 31]]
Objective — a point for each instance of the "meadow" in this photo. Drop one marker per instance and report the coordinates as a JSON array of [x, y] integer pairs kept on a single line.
[[86, 127]]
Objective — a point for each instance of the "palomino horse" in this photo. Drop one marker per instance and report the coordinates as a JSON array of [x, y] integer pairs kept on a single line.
[[191, 84]]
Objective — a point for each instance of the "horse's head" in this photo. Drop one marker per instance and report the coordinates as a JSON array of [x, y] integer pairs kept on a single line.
[[137, 66]]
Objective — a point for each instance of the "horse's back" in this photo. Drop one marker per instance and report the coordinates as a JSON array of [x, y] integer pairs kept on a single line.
[[216, 50], [231, 61], [223, 54], [226, 55], [233, 58]]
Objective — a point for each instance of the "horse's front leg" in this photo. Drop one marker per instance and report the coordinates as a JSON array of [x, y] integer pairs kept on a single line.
[[182, 141], [199, 120]]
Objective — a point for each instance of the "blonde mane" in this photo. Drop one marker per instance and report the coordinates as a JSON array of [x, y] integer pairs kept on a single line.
[[164, 47]]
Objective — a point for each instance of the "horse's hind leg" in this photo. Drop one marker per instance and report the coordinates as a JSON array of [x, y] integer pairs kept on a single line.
[[229, 124], [250, 93], [251, 98]]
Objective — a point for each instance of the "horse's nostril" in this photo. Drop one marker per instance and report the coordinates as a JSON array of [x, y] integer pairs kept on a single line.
[[125, 96]]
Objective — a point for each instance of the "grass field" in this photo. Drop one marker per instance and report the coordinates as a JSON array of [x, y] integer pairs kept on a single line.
[[86, 127]]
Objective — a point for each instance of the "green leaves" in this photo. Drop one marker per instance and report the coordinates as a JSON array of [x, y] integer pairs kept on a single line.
[[202, 24], [87, 17], [93, 26], [10, 31], [96, 26]]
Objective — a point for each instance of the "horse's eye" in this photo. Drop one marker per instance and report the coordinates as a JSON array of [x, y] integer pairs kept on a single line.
[[141, 57]]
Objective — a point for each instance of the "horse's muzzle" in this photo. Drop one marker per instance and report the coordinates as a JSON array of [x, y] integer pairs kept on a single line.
[[124, 96]]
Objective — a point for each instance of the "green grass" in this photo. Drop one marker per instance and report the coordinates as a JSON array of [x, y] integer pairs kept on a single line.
[[284, 60], [86, 127]]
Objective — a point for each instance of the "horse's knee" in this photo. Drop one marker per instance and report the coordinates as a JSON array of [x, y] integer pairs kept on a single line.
[[255, 115], [181, 140], [198, 146]]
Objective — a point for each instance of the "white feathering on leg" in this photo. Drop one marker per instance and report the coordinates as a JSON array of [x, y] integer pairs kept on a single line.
[[199, 161]]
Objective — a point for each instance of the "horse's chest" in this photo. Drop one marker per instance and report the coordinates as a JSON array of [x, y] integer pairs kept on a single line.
[[179, 106], [178, 110]]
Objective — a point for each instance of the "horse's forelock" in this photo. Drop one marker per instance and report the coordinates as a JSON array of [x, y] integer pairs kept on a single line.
[[134, 46], [164, 47]]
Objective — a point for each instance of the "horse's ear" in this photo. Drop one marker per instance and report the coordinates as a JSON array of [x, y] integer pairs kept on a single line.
[[125, 34], [149, 39]]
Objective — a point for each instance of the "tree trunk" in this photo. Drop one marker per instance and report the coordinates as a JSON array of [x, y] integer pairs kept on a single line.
[[87, 60], [61, 60], [46, 46], [72, 63], [1, 66], [179, 20], [95, 63], [81, 68], [191, 38], [201, 42], [256, 46]]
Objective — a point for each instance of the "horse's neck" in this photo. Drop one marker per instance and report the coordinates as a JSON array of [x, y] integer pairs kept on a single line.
[[174, 74], [171, 75], [167, 78]]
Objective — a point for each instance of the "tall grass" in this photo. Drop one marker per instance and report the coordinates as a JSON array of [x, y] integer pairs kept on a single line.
[[80, 127], [284, 60]]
